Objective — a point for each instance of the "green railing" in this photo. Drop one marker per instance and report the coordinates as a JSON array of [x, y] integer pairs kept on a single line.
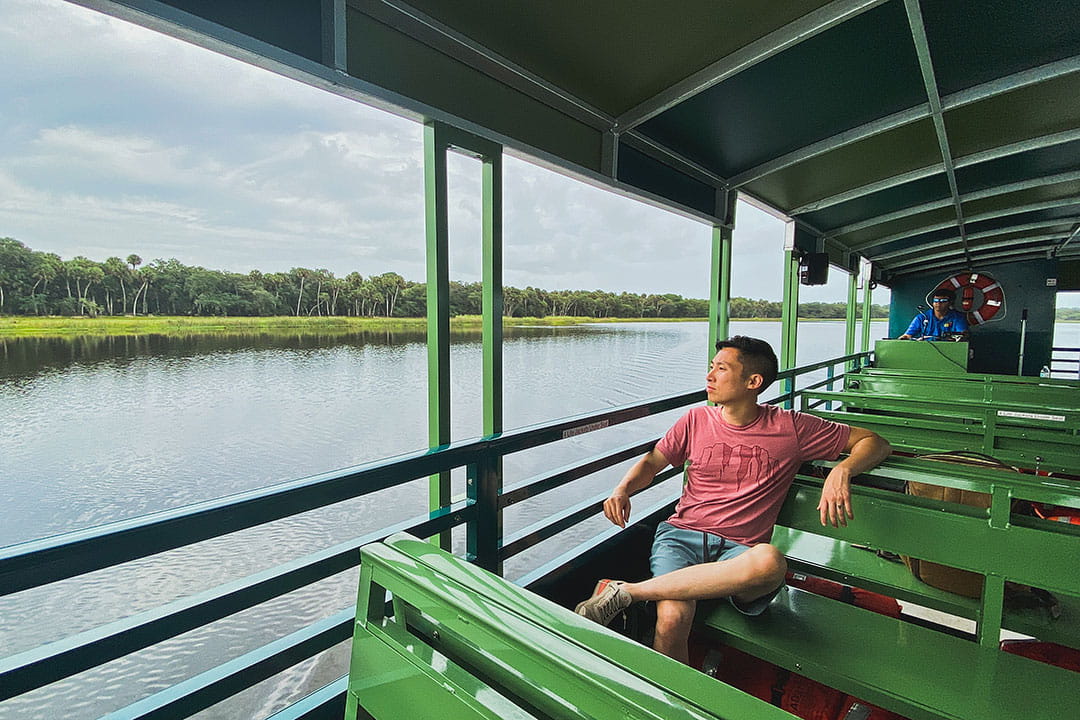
[[40, 562]]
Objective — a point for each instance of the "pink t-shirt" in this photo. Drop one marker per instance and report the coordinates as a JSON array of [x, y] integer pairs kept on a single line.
[[740, 475]]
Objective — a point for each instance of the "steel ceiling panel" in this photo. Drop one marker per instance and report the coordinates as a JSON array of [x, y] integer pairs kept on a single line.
[[861, 70], [1048, 107], [878, 157], [1039, 163], [615, 54], [1042, 193], [873, 235], [880, 203], [968, 46]]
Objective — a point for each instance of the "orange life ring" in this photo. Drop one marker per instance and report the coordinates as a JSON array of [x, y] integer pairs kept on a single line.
[[992, 296]]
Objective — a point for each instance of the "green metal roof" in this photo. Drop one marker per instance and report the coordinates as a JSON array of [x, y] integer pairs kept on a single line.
[[887, 129]]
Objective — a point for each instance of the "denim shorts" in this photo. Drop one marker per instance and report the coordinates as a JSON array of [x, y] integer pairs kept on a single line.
[[675, 548]]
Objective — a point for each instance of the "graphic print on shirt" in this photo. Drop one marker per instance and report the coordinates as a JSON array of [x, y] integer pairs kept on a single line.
[[739, 462]]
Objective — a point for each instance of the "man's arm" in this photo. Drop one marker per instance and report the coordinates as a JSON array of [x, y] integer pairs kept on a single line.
[[617, 507], [865, 450]]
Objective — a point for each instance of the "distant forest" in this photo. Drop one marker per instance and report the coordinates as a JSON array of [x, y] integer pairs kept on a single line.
[[33, 282]]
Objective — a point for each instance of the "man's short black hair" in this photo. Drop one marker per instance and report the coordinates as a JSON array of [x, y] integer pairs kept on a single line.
[[756, 356]]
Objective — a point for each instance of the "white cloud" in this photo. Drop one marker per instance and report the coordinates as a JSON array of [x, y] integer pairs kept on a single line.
[[116, 139]]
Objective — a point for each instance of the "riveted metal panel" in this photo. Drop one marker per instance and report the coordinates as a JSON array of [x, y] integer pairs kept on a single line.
[[1057, 191], [968, 46], [1032, 164], [607, 53], [909, 194], [640, 170], [381, 55], [906, 148], [912, 222], [1031, 111], [293, 25], [856, 72]]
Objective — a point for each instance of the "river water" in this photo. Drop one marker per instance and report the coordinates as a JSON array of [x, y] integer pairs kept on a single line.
[[95, 430]]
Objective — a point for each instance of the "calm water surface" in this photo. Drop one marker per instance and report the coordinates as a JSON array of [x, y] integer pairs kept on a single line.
[[101, 429]]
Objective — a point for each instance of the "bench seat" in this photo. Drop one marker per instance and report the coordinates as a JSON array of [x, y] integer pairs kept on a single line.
[[845, 563], [917, 672], [464, 643]]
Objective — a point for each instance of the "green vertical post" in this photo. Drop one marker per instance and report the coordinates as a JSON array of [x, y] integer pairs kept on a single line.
[[720, 268], [789, 318], [438, 311], [852, 301], [484, 537], [867, 297], [493, 295]]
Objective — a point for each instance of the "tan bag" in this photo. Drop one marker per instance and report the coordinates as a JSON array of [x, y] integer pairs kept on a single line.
[[961, 582]]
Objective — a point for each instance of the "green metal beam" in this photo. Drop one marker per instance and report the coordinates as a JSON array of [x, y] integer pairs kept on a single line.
[[850, 316], [438, 309], [867, 297], [720, 286], [789, 314]]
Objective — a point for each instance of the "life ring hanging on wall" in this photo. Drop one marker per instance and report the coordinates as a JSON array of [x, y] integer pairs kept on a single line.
[[980, 296]]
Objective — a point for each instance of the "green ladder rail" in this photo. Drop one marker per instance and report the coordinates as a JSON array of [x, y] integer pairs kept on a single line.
[[438, 637]]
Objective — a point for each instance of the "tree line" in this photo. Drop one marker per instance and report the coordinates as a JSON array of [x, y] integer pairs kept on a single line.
[[34, 282]]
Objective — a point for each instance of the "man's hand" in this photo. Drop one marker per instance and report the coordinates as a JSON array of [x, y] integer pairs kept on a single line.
[[835, 504], [865, 450], [617, 508]]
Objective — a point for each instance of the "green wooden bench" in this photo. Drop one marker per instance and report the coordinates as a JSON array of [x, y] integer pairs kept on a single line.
[[437, 637], [1065, 420], [973, 387], [921, 672], [1027, 447]]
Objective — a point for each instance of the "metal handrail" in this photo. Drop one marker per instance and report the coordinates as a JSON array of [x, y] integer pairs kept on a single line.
[[40, 562]]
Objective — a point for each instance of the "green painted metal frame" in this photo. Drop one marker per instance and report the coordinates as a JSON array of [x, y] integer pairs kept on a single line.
[[798, 633], [484, 479], [789, 321], [52, 559], [866, 314], [720, 268], [503, 650]]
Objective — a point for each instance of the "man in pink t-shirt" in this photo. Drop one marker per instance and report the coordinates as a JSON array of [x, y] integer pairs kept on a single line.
[[742, 459]]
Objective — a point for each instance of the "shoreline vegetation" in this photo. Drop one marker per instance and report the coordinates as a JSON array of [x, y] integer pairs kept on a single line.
[[64, 326], [34, 283]]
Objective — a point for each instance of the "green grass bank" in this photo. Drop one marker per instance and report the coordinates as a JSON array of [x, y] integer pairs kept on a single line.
[[17, 326]]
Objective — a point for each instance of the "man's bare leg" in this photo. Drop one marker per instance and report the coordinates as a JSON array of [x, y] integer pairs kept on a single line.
[[757, 571], [673, 621]]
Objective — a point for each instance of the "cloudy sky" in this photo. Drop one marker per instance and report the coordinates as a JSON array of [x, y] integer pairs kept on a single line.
[[116, 140]]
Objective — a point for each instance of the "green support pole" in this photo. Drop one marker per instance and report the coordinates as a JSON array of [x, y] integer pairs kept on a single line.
[[438, 311], [789, 318], [866, 314], [493, 295], [720, 268], [852, 315], [485, 535]]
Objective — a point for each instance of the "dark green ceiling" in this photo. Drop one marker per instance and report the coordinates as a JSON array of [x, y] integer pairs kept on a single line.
[[875, 125]]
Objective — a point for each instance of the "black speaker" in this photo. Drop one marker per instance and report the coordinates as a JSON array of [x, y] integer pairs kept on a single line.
[[814, 269]]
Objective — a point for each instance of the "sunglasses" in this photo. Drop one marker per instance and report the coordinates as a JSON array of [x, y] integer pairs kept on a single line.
[[940, 300]]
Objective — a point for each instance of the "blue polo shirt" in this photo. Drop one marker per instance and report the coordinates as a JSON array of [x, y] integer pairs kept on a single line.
[[926, 324]]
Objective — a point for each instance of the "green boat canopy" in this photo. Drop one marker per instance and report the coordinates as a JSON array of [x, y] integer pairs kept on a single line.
[[917, 134]]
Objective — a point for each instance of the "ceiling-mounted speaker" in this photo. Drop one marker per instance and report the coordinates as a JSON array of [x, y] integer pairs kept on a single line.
[[814, 269]]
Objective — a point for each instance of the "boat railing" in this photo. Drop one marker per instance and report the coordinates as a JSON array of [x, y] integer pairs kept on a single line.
[[1065, 361], [40, 562]]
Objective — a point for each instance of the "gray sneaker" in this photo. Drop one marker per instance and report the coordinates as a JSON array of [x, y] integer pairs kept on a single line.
[[608, 600]]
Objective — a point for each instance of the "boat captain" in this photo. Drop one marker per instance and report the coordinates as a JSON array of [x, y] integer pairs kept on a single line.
[[939, 322]]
